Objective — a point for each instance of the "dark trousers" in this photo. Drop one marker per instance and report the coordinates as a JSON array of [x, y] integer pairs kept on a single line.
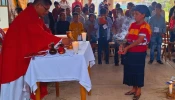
[[103, 44], [116, 56]]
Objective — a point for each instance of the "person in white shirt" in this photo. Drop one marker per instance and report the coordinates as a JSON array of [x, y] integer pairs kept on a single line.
[[64, 4]]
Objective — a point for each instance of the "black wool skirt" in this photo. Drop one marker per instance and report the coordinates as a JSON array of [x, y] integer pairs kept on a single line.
[[134, 68]]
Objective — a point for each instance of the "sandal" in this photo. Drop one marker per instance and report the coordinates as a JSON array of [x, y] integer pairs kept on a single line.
[[136, 97], [130, 93]]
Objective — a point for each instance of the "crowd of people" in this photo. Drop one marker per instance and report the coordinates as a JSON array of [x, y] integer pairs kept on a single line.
[[65, 15], [138, 25]]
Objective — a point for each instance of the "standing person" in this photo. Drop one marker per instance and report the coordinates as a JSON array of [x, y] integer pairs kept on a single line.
[[171, 11], [118, 26], [130, 6], [90, 6], [64, 4], [77, 2], [158, 26], [56, 11], [138, 36], [152, 7], [91, 31], [85, 13], [76, 27], [114, 11], [102, 5], [81, 18], [68, 15], [103, 25], [172, 31], [62, 25], [26, 36], [162, 12], [171, 19]]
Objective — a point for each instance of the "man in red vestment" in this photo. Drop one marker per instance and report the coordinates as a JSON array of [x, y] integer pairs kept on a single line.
[[26, 36]]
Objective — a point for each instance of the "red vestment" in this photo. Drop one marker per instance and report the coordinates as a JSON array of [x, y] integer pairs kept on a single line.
[[26, 36]]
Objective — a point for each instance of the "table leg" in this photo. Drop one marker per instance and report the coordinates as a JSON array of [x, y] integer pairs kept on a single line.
[[38, 91], [57, 89], [89, 70], [82, 92]]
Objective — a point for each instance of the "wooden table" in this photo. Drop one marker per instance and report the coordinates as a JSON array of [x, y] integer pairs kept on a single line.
[[82, 89]]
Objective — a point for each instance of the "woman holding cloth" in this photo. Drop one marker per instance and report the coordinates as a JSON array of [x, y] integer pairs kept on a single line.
[[137, 38]]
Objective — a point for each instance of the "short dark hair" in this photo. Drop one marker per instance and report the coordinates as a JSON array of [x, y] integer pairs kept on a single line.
[[103, 11], [117, 5], [130, 4], [91, 14], [158, 5], [85, 9], [154, 3], [18, 10], [44, 2], [75, 14], [56, 3]]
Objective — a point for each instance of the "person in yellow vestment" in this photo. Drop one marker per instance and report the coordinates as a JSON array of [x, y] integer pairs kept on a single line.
[[76, 27]]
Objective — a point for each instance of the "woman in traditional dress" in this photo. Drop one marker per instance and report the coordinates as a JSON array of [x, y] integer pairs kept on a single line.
[[134, 64]]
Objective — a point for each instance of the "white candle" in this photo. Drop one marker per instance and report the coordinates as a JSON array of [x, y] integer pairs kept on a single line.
[[84, 36], [75, 45], [170, 88]]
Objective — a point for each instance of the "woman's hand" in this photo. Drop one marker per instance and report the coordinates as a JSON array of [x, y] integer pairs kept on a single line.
[[125, 50]]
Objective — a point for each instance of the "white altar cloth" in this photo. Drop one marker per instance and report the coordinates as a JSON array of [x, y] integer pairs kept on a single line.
[[62, 67]]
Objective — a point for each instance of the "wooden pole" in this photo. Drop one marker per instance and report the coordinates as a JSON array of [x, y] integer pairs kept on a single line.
[[82, 93], [38, 91], [57, 89], [89, 70]]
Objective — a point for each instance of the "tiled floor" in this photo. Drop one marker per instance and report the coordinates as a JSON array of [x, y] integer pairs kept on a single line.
[[107, 83]]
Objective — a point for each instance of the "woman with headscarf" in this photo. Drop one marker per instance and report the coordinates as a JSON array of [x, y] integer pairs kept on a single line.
[[137, 38]]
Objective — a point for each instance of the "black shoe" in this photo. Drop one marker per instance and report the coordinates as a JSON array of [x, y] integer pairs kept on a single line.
[[107, 62], [150, 62], [160, 62]]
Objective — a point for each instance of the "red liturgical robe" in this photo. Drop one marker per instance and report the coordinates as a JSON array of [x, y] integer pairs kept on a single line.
[[26, 36]]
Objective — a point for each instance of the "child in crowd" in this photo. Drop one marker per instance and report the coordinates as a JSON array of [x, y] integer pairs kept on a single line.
[[91, 31], [81, 18], [103, 25], [76, 27], [68, 15]]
